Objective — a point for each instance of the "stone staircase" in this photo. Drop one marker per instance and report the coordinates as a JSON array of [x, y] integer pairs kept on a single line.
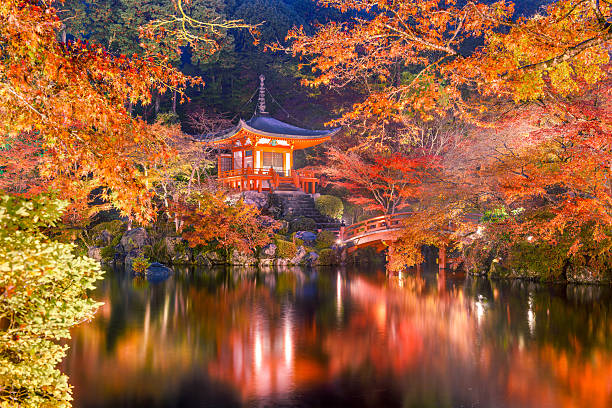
[[296, 203]]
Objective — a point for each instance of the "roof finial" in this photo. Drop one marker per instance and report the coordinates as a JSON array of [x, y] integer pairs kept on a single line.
[[262, 94]]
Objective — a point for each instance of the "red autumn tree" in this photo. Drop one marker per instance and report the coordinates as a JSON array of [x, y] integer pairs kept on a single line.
[[418, 63], [378, 182], [215, 222], [72, 96]]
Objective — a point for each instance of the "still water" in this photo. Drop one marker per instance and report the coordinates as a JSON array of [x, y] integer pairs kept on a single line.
[[340, 338]]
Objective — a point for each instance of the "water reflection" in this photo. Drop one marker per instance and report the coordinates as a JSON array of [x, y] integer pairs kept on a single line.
[[337, 337]]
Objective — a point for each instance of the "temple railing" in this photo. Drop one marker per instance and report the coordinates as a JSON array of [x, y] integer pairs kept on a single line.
[[267, 179]]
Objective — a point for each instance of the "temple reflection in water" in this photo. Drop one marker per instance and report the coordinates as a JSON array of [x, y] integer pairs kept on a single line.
[[342, 337]]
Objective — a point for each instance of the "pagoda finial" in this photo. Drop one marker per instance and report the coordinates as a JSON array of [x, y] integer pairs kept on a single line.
[[262, 94]]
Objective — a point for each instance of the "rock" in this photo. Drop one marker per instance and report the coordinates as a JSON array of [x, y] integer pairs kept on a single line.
[[104, 238], [255, 198], [274, 211], [240, 258], [95, 253], [299, 256], [202, 260], [268, 251], [311, 258], [134, 239], [171, 244], [266, 261], [215, 258], [306, 236], [583, 274], [158, 272]]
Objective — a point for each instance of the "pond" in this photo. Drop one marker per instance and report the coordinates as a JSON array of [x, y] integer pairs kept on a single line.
[[342, 337]]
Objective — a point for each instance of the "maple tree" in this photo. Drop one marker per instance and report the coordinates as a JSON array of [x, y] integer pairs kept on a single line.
[[384, 183], [414, 57], [531, 100], [72, 95], [217, 223]]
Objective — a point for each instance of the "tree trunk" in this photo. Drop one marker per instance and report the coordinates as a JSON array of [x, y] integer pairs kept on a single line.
[[174, 102]]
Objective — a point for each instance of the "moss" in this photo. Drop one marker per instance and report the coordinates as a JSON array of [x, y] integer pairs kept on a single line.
[[115, 228], [325, 239], [303, 224], [285, 249], [280, 237], [330, 206], [107, 253], [327, 257]]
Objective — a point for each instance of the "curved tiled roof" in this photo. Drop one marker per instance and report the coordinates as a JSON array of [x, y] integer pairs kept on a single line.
[[268, 126]]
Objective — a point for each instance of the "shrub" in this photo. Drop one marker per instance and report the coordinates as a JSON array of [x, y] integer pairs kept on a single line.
[[115, 228], [108, 252], [45, 289], [140, 265], [330, 206], [283, 229], [303, 224], [280, 237], [285, 249], [327, 257], [325, 239]]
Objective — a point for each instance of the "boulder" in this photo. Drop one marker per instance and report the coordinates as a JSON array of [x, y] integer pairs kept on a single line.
[[215, 258], [171, 243], [103, 238], [299, 256], [241, 258], [311, 258], [268, 251], [95, 253], [306, 236], [255, 198], [157, 272], [266, 261], [202, 260], [134, 239]]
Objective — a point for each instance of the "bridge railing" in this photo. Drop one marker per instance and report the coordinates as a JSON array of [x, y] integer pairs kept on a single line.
[[380, 223]]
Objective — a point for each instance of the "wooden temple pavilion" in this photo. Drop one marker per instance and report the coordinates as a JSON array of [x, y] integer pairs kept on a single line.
[[258, 153]]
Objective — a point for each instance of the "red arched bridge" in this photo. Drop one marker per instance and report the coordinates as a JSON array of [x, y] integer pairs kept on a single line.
[[381, 229], [379, 232]]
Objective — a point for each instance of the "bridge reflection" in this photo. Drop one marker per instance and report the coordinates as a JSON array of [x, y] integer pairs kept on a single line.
[[271, 337]]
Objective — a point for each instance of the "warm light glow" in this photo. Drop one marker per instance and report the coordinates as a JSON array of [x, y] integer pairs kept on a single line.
[[339, 298], [480, 307], [257, 349], [531, 319], [288, 341]]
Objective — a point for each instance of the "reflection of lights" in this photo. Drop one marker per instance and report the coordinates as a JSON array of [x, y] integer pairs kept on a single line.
[[531, 320], [381, 315], [400, 280], [480, 308], [339, 297], [258, 349], [288, 343]]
